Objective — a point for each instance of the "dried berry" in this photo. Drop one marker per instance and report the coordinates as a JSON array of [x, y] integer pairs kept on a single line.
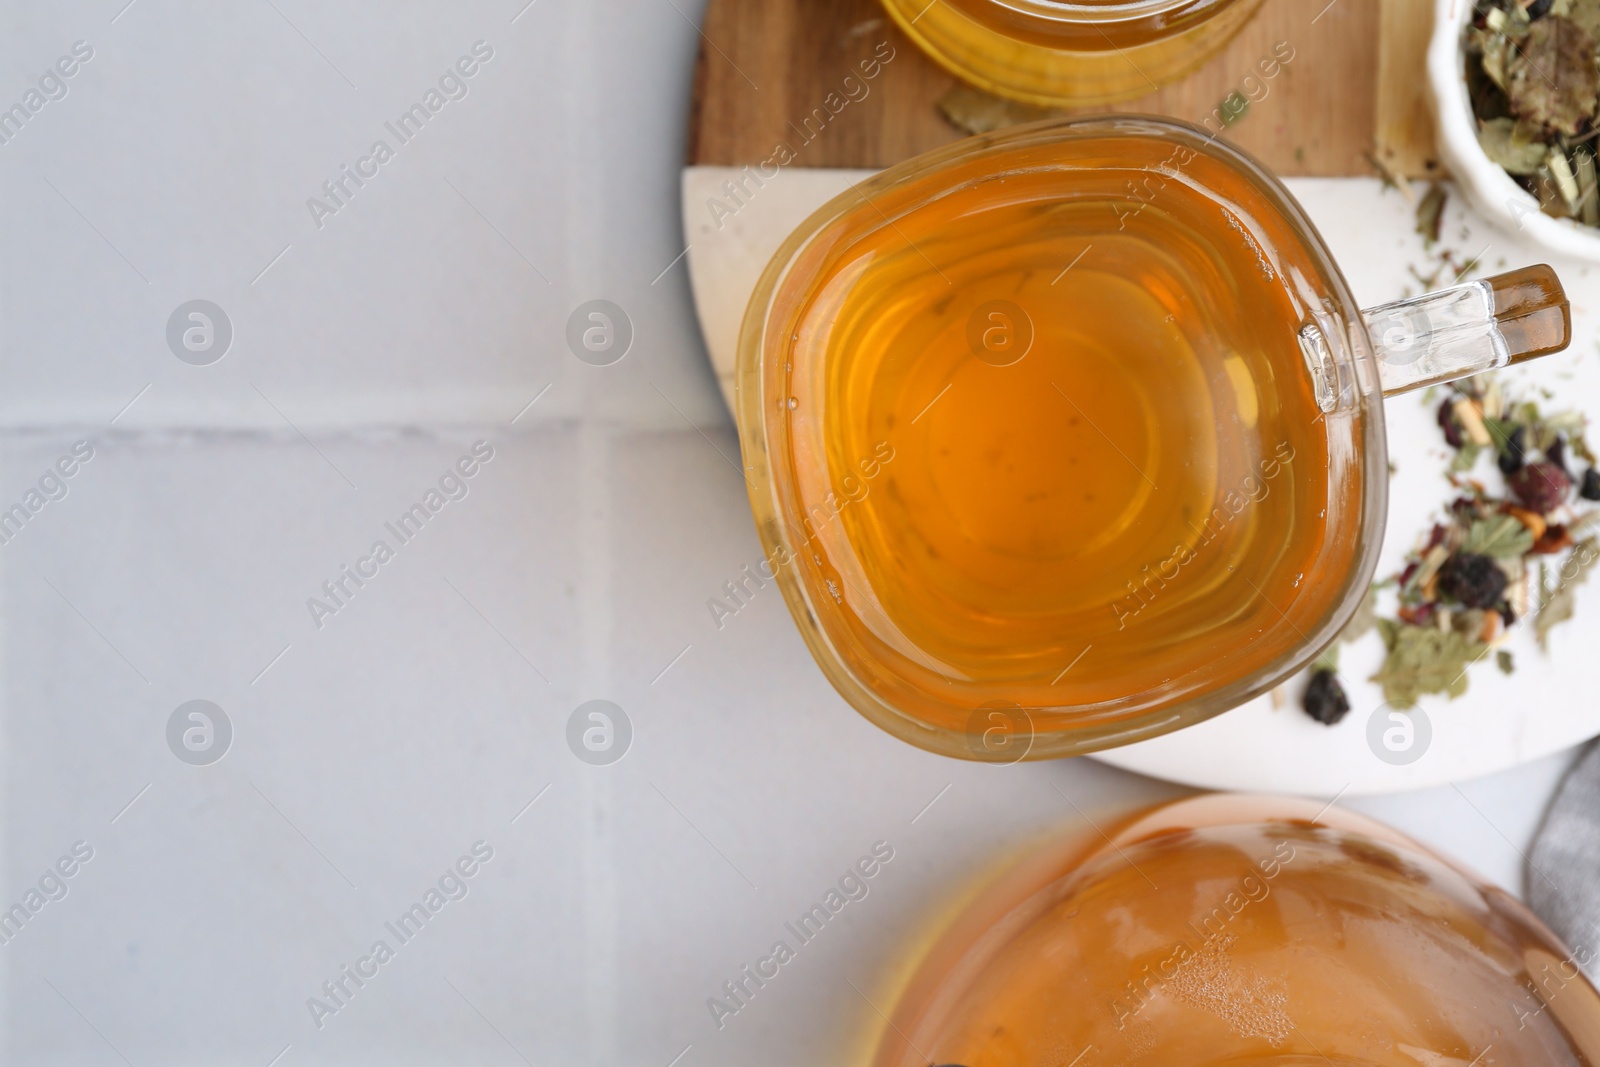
[[1511, 459], [1473, 581], [1591, 485], [1325, 699], [1539, 8], [1447, 423], [1418, 614], [1542, 486], [1557, 453]]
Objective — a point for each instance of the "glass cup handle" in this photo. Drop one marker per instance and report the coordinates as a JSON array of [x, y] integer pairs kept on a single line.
[[1467, 329]]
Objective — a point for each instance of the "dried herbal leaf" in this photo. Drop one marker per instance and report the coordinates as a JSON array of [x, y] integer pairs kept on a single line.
[[1586, 13], [1528, 411], [1588, 187], [1548, 193], [1465, 457], [1552, 80], [1500, 430], [1426, 660], [1501, 142], [1389, 630], [1502, 537], [1567, 422], [1566, 182], [1391, 180], [1503, 660], [1492, 399], [1430, 212], [1470, 416], [1484, 67], [1557, 604], [976, 111], [1234, 107], [1489, 49]]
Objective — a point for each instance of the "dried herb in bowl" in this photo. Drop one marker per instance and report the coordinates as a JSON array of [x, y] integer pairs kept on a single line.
[[1493, 559], [1534, 81]]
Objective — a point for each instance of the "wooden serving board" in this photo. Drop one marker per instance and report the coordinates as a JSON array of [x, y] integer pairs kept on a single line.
[[766, 63], [1352, 94]]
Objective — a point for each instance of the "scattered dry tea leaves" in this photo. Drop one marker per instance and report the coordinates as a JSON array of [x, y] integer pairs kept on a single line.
[[1586, 13], [1507, 143], [1430, 212], [1234, 107], [1552, 79], [1503, 537], [1423, 659], [1533, 80], [1557, 603], [1468, 578]]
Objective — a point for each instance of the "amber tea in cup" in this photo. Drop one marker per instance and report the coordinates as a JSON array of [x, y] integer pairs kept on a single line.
[[1243, 930], [1125, 430]]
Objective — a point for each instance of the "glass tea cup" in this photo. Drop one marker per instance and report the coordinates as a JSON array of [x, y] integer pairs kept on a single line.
[[1070, 53], [1072, 435], [1234, 929]]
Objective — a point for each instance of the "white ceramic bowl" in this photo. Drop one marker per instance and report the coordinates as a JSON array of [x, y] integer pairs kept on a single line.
[[1484, 184]]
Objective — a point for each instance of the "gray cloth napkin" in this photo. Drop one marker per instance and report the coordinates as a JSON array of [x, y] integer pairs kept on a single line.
[[1563, 875]]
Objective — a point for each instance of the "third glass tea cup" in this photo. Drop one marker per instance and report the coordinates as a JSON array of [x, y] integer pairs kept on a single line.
[[1072, 435], [1228, 929], [1071, 53]]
